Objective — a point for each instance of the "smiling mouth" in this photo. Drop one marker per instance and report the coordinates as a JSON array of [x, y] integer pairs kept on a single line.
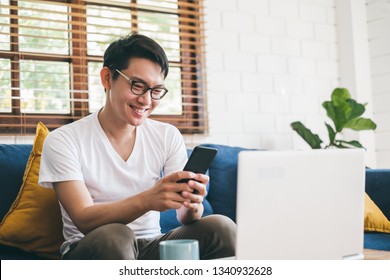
[[139, 110]]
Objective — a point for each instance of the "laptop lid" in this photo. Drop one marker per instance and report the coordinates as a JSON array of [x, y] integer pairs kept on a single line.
[[300, 204]]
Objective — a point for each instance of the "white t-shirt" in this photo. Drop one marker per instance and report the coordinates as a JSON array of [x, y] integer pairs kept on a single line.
[[82, 151]]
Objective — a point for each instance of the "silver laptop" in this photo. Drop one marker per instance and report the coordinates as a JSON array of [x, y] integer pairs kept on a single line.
[[300, 204]]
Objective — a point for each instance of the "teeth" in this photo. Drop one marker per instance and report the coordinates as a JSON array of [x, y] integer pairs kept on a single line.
[[140, 111]]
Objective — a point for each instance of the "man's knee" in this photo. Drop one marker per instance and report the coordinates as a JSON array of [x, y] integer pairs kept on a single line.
[[222, 232], [220, 223], [219, 228], [113, 241]]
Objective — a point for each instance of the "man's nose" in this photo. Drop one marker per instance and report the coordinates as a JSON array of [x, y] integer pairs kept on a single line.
[[145, 98]]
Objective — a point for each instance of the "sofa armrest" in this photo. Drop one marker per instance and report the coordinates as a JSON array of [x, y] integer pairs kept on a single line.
[[13, 160], [12, 253], [378, 188]]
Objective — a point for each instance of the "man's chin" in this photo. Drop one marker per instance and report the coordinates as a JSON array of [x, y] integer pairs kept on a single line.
[[138, 122]]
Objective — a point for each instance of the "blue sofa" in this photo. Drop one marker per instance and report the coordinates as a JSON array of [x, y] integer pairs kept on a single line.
[[221, 196]]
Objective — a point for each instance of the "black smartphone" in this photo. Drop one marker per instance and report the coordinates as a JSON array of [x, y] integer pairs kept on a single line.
[[199, 161]]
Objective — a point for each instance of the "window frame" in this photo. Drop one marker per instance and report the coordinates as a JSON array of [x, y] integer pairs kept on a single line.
[[191, 121]]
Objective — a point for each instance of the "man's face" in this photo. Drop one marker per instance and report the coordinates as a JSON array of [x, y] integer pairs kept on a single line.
[[128, 107]]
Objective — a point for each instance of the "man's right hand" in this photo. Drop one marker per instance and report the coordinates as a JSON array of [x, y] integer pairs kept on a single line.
[[166, 193]]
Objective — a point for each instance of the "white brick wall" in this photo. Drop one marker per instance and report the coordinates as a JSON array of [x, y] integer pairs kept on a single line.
[[296, 68], [272, 62], [269, 63], [378, 17]]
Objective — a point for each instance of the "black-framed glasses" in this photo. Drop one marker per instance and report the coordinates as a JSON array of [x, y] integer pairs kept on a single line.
[[140, 88]]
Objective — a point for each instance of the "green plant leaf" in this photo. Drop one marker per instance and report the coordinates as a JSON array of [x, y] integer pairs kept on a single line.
[[331, 133], [357, 109], [353, 143], [344, 112], [336, 114], [361, 124], [340, 96], [330, 110], [313, 140]]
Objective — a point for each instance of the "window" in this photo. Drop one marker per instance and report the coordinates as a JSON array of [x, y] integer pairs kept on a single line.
[[51, 53]]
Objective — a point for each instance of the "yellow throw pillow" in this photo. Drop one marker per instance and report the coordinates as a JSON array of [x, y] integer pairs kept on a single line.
[[34, 223], [374, 219]]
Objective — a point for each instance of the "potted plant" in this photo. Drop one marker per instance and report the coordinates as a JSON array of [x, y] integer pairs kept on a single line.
[[345, 112]]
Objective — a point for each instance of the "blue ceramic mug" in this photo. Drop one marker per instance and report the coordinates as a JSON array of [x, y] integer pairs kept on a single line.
[[181, 249]]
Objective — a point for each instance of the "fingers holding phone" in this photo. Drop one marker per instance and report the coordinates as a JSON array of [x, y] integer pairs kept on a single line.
[[198, 185]]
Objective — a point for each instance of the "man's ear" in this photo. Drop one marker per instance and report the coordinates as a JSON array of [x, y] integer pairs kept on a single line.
[[105, 78]]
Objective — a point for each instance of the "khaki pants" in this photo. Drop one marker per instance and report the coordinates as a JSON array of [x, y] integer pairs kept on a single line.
[[216, 235]]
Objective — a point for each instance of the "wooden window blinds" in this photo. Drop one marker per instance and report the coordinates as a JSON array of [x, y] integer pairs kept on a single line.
[[51, 53]]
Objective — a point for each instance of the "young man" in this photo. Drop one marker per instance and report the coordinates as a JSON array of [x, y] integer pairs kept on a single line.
[[106, 168]]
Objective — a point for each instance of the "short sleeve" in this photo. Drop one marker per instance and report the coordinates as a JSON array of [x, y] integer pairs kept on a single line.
[[59, 161], [176, 151]]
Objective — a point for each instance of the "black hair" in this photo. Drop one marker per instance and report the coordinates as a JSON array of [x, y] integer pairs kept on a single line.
[[119, 53]]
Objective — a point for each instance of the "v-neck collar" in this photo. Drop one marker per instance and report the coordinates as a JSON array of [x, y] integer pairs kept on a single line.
[[109, 146]]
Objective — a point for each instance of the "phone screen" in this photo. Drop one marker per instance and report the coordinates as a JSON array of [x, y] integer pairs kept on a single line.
[[200, 160]]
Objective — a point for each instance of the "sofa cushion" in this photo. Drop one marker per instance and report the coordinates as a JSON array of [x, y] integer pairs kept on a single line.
[[378, 184], [377, 241], [34, 223], [374, 219], [13, 159], [223, 180]]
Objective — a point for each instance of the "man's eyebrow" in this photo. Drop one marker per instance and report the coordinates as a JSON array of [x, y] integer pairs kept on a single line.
[[136, 79]]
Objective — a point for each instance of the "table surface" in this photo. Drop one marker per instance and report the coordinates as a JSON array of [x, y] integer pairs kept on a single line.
[[376, 255], [369, 254]]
